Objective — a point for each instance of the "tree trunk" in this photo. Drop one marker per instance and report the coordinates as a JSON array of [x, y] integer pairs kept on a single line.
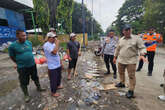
[[52, 5]]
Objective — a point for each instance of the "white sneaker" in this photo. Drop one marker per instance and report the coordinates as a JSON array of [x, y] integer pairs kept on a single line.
[[162, 97]]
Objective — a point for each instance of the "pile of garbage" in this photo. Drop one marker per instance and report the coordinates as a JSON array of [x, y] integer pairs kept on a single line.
[[5, 46]]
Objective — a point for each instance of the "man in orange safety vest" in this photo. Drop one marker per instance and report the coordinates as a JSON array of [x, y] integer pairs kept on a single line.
[[151, 39]]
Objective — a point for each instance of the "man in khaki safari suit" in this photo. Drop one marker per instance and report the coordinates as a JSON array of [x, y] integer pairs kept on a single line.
[[127, 54]]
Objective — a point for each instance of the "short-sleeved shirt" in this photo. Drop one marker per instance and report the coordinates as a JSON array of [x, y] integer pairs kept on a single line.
[[73, 47], [53, 60], [22, 53], [109, 47], [128, 48]]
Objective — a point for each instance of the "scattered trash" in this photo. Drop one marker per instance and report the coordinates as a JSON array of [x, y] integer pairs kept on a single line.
[[22, 107], [161, 97], [70, 99], [46, 108], [33, 103], [121, 93], [103, 106], [80, 103], [109, 87], [91, 75], [10, 108], [39, 59], [88, 76], [90, 101], [39, 106]]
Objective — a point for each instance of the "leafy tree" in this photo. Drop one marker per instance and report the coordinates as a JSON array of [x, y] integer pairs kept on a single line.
[[52, 5], [155, 15], [131, 12], [64, 14], [77, 20], [142, 14], [112, 27], [42, 14]]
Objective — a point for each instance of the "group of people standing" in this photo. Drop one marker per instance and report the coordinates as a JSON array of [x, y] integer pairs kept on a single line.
[[127, 50], [21, 54], [55, 66]]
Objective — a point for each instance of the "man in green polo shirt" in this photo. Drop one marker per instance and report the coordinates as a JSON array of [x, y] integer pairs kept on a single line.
[[20, 52]]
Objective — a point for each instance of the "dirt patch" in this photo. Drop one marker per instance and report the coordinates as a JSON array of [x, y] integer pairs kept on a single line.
[[7, 86]]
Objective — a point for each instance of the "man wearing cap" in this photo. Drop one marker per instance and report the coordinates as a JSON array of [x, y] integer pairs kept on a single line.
[[50, 30], [150, 40], [127, 54], [108, 50], [73, 53], [20, 52], [54, 62]]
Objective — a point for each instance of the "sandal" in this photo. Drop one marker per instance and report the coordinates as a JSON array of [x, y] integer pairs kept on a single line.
[[55, 94]]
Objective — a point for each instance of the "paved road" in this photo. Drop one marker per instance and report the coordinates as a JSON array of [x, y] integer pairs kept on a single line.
[[148, 88]]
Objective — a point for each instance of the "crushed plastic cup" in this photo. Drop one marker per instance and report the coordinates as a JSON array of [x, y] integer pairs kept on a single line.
[[161, 97]]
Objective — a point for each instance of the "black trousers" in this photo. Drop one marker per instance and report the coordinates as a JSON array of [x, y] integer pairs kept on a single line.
[[24, 77], [107, 59], [55, 79], [26, 73], [72, 63], [150, 55]]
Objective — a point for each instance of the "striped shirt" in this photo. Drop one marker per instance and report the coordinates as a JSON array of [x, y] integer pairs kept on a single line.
[[109, 45]]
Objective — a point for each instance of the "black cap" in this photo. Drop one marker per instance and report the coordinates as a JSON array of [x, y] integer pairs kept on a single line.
[[111, 30], [151, 28], [127, 26]]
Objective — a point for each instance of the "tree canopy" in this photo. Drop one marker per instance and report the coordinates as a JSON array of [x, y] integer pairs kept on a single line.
[[142, 14], [42, 15], [65, 14], [77, 20]]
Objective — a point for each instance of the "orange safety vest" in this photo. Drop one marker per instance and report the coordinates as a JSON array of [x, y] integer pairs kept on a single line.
[[155, 38]]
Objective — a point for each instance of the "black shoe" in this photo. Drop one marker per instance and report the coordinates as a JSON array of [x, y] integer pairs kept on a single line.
[[120, 85], [138, 70], [149, 74], [115, 76], [39, 89], [27, 98], [130, 94], [161, 85]]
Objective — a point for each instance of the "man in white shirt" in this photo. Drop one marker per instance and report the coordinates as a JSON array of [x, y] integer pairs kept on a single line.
[[54, 62]]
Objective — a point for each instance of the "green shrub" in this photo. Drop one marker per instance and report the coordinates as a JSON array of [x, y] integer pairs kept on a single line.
[[35, 41], [90, 38], [63, 45], [5, 50]]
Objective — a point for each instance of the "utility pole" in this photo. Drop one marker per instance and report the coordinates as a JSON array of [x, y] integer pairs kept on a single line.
[[83, 20], [92, 21]]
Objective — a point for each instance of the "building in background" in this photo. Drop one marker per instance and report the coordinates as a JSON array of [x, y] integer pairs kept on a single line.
[[13, 15]]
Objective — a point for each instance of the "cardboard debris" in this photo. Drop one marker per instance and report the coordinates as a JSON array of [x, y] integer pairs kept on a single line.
[[121, 93], [88, 76], [109, 87], [91, 75]]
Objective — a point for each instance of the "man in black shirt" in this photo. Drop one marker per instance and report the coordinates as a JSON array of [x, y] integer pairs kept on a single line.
[[73, 53]]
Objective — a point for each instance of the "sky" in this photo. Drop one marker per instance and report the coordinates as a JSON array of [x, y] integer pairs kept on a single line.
[[27, 2], [104, 11]]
